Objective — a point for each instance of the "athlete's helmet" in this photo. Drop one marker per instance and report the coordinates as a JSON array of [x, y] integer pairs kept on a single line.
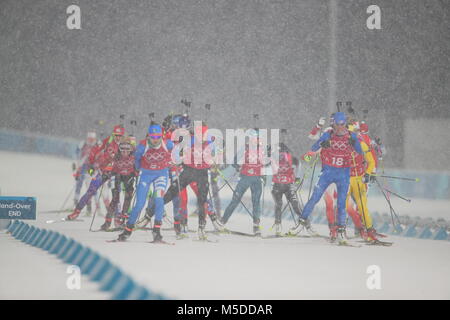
[[184, 122], [364, 128], [339, 118], [118, 131], [91, 138], [155, 130]]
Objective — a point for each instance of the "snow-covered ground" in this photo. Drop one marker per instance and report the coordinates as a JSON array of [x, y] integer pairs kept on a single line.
[[236, 267]]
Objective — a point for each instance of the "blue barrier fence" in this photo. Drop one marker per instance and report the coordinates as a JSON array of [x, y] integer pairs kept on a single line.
[[17, 141], [98, 268], [412, 228], [431, 185]]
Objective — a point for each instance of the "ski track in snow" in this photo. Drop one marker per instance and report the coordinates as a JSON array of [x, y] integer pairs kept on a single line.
[[235, 268]]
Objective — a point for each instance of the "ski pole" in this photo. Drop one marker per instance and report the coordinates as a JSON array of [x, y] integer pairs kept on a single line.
[[300, 200], [133, 197], [179, 215], [222, 186], [96, 207], [263, 189], [362, 205], [292, 212], [234, 191], [399, 178], [211, 201], [287, 204], [300, 186], [67, 199], [312, 178], [397, 195], [315, 160], [389, 203]]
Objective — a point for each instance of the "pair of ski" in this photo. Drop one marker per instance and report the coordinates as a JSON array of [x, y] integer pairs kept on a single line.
[[367, 243], [340, 244], [183, 236], [153, 242], [287, 235], [228, 231], [63, 220], [165, 242], [109, 230]]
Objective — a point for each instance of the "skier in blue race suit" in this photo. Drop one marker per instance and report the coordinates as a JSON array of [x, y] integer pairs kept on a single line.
[[337, 147], [152, 158]]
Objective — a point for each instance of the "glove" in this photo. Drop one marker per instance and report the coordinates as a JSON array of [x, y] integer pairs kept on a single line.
[[106, 176], [351, 141], [308, 156], [321, 122], [378, 141], [298, 180], [214, 170], [368, 178], [91, 170], [325, 144]]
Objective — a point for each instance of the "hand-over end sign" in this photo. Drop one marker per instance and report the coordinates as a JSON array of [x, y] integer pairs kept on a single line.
[[18, 208]]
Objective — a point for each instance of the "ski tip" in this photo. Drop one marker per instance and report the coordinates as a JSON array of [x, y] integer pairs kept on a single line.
[[163, 242]]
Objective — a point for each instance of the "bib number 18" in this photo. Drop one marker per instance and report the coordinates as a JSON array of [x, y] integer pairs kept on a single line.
[[338, 161]]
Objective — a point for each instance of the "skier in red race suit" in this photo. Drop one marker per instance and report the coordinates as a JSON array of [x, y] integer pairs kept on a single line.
[[82, 166], [285, 180], [197, 160], [251, 176], [101, 160], [124, 174]]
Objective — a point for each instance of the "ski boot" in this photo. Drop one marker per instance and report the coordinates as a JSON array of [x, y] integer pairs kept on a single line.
[[256, 229], [277, 228], [371, 235], [333, 233], [73, 215], [301, 225], [179, 234], [341, 238], [120, 220], [201, 231], [105, 226], [125, 233], [218, 226], [311, 231], [177, 228], [156, 232], [361, 233]]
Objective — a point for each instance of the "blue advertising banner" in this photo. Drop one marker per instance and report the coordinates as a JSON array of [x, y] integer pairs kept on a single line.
[[23, 208]]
